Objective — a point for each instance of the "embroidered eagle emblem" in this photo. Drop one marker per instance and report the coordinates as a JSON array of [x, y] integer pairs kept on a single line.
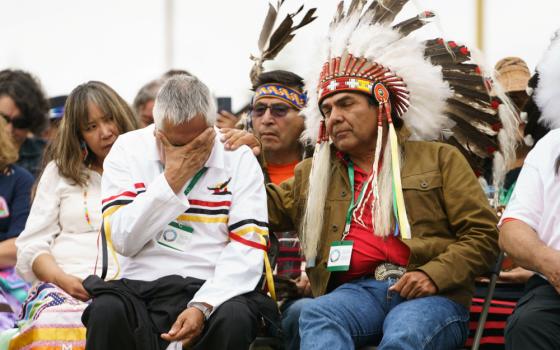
[[220, 188]]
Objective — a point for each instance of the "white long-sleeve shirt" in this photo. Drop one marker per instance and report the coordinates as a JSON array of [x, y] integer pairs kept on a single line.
[[226, 212], [58, 225]]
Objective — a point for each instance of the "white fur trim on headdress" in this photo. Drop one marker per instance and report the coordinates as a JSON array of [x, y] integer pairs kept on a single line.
[[402, 55]]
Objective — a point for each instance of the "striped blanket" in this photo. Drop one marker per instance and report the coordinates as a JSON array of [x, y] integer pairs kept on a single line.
[[50, 320]]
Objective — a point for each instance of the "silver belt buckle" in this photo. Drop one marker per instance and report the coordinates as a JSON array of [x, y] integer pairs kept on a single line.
[[387, 270]]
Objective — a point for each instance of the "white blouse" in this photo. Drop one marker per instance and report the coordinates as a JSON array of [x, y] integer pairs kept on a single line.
[[58, 225]]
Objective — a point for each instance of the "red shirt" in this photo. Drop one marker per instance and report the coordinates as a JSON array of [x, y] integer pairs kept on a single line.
[[369, 250]]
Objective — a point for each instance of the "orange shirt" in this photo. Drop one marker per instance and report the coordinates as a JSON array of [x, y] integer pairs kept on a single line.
[[280, 172]]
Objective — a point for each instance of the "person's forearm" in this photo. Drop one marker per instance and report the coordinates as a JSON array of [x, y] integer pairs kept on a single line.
[[135, 224], [46, 269], [524, 246], [8, 253]]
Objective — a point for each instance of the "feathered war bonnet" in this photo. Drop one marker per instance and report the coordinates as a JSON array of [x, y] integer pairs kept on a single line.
[[429, 85]]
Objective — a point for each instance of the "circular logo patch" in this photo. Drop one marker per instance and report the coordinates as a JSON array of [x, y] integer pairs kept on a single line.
[[335, 255], [169, 235]]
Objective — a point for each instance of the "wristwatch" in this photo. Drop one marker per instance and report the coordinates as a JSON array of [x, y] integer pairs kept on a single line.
[[205, 308]]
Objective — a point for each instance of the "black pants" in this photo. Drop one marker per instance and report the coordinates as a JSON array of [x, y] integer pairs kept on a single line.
[[131, 315], [535, 322]]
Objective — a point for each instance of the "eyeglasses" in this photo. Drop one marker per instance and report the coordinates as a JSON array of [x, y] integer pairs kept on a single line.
[[278, 110], [17, 122]]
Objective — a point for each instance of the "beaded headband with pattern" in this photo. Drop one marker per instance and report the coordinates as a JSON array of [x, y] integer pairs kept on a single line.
[[289, 95]]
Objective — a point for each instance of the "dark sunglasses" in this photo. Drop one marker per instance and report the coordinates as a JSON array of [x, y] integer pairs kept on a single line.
[[278, 110], [17, 122]]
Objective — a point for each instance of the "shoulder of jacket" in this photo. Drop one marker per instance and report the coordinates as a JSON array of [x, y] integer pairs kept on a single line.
[[429, 147], [304, 167]]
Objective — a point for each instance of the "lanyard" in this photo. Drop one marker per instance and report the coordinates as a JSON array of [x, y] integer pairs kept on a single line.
[[352, 207], [194, 180], [506, 196]]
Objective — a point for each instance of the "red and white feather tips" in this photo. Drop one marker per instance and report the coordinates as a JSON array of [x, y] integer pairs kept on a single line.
[[349, 73]]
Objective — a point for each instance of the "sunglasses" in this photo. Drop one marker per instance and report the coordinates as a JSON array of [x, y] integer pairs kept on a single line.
[[17, 122], [278, 110]]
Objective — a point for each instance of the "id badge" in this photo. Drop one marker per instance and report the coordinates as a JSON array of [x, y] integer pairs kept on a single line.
[[176, 236], [340, 256]]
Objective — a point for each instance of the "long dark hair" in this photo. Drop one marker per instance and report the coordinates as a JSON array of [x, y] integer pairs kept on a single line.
[[27, 93], [66, 149]]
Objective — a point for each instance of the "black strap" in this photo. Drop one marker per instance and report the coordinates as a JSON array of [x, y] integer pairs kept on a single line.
[[104, 252]]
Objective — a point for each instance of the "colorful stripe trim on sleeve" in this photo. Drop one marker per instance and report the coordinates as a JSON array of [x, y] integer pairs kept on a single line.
[[123, 198], [247, 242], [208, 212], [244, 227], [238, 224]]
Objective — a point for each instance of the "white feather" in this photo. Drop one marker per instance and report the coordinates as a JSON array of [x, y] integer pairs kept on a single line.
[[509, 135], [405, 57], [547, 92], [312, 223]]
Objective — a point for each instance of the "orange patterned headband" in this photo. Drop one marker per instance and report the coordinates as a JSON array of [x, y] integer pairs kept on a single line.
[[291, 96]]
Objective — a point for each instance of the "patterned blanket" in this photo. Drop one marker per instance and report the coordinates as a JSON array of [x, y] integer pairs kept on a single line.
[[50, 320]]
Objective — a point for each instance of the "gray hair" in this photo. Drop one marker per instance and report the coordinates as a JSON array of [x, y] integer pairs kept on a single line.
[[181, 98], [147, 93]]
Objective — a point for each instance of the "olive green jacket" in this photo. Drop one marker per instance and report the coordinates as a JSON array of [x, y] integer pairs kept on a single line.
[[454, 233]]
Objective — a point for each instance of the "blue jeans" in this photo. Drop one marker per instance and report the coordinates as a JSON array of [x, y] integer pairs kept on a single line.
[[365, 312], [290, 322]]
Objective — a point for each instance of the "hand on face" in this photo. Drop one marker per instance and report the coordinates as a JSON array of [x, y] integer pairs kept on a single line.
[[182, 162]]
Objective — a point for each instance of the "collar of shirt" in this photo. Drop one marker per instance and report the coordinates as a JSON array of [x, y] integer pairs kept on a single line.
[[345, 159]]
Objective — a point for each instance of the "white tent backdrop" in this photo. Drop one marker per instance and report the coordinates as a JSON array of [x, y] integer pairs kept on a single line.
[[126, 43]]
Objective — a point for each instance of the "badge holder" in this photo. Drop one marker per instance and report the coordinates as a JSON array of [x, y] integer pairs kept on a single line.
[[340, 256], [176, 236]]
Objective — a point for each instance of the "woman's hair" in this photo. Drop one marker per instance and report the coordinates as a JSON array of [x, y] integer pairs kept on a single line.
[[8, 152], [66, 149], [28, 96]]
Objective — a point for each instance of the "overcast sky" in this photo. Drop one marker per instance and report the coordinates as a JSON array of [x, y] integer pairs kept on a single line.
[[125, 42]]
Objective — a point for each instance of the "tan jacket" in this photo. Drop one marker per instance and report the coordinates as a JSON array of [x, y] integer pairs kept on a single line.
[[454, 233]]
